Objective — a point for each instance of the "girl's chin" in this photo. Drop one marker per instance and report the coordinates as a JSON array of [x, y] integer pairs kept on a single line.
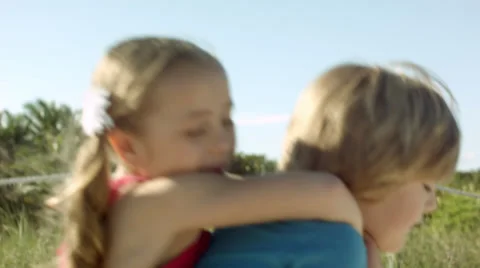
[[395, 245], [391, 243]]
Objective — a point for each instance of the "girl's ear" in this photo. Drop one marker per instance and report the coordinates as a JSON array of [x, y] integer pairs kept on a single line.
[[129, 151]]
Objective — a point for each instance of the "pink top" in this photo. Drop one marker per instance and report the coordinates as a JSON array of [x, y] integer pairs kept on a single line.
[[187, 259]]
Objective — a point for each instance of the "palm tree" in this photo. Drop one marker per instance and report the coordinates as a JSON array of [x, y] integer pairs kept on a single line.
[[30, 144], [49, 123], [15, 131]]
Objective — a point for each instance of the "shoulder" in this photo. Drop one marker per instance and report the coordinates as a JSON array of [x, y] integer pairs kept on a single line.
[[143, 205], [154, 198]]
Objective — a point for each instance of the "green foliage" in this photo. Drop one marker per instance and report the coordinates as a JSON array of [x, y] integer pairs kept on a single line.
[[456, 212], [32, 143], [24, 244], [430, 248], [248, 164]]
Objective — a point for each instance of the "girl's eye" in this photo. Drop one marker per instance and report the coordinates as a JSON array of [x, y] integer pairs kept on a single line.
[[196, 133], [428, 188]]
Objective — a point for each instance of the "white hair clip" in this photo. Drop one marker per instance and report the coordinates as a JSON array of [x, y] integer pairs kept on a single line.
[[95, 118]]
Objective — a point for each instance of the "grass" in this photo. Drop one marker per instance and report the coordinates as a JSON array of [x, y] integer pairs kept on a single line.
[[432, 248], [25, 245]]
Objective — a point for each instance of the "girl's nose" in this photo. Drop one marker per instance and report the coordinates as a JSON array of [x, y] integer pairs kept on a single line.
[[222, 144]]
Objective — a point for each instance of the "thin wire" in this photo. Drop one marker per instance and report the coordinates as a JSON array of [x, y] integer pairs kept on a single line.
[[457, 192], [62, 176], [29, 179]]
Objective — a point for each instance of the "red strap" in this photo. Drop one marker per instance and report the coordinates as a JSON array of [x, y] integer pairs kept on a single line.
[[190, 256], [117, 184]]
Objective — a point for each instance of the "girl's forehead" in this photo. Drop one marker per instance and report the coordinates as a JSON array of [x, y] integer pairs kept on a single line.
[[193, 96]]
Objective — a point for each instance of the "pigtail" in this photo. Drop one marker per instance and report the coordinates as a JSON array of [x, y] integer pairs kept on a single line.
[[87, 206]]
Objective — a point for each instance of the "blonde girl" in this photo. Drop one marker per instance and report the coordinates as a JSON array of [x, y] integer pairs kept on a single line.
[[389, 136], [160, 108]]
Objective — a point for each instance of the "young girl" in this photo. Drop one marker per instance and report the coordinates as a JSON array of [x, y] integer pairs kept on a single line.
[[388, 136], [161, 107]]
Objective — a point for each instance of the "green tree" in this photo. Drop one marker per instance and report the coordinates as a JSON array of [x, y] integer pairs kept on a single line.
[[34, 142], [248, 164], [14, 131], [49, 123]]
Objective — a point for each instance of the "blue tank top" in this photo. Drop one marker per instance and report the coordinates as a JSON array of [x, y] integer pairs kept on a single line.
[[298, 244]]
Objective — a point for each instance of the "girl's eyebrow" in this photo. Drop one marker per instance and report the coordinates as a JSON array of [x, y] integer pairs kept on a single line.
[[205, 112], [199, 113]]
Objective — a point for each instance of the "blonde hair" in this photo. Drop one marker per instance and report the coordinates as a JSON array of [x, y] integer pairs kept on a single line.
[[374, 128], [129, 71]]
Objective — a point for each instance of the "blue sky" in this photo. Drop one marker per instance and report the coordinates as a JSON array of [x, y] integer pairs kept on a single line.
[[270, 50]]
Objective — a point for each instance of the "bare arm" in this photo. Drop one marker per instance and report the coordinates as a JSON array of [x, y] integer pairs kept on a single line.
[[131, 249], [209, 200]]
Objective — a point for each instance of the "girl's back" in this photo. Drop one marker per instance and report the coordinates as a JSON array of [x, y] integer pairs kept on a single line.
[[299, 244]]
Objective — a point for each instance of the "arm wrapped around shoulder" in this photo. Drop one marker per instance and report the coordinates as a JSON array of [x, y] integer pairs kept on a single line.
[[300, 244]]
